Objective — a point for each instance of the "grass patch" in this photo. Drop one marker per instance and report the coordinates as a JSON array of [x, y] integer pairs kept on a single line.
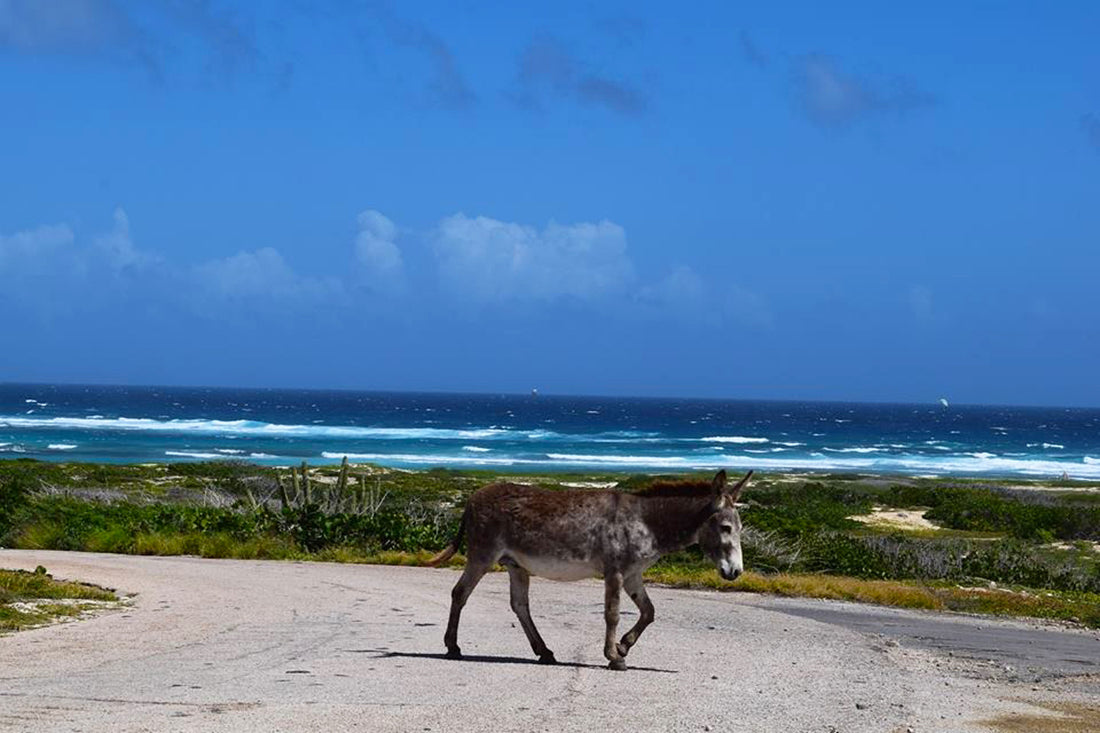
[[25, 598], [880, 592]]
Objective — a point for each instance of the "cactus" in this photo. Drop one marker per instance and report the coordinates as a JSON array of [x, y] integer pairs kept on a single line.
[[306, 484], [283, 496], [342, 486]]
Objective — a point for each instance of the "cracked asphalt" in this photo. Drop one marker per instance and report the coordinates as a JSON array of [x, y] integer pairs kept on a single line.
[[227, 645]]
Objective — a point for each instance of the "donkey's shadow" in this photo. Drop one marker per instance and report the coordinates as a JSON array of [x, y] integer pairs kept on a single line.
[[485, 659]]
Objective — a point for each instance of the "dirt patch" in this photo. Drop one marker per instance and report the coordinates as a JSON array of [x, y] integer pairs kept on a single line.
[[1066, 718], [903, 519]]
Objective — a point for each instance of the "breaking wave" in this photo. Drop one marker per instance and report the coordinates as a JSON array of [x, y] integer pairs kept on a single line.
[[1089, 468], [739, 439], [319, 431]]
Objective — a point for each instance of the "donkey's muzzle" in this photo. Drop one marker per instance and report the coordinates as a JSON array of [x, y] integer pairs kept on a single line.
[[731, 574]]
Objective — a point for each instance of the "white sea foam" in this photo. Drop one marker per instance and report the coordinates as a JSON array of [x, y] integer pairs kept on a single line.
[[427, 459], [1047, 446], [617, 460], [961, 464], [60, 446], [789, 444], [740, 439], [982, 455], [251, 427], [857, 449], [475, 449], [192, 454]]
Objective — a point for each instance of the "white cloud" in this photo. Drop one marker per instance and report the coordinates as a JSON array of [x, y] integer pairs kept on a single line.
[[681, 288], [376, 251], [118, 247], [683, 293], [32, 244], [261, 276], [489, 260], [831, 97], [39, 267], [55, 248]]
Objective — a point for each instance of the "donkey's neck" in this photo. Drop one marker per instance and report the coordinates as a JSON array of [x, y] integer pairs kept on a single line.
[[675, 520]]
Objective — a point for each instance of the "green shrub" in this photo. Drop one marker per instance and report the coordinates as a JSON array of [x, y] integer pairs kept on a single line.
[[13, 496], [1024, 515]]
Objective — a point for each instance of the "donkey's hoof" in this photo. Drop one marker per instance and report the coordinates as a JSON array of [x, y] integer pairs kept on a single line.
[[622, 648], [619, 665], [454, 653], [547, 657]]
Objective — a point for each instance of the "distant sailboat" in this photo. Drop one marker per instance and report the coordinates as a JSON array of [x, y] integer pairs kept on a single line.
[[943, 401], [534, 392]]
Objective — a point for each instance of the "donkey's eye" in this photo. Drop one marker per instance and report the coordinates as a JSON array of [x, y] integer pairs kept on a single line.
[[726, 528]]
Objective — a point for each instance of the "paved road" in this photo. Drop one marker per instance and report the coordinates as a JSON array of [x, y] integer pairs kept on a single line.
[[248, 645]]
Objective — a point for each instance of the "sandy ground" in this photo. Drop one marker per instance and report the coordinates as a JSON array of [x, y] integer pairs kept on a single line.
[[224, 645], [903, 519]]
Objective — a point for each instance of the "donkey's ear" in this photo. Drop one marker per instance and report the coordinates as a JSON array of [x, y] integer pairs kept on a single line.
[[736, 490], [718, 490]]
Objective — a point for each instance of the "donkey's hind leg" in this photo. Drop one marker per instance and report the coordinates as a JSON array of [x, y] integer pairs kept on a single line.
[[636, 590], [520, 585], [476, 567], [612, 584]]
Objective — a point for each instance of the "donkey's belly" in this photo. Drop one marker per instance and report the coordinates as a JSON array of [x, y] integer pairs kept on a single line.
[[555, 568]]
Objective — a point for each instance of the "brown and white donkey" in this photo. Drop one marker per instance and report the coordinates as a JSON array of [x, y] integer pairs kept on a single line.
[[569, 535]]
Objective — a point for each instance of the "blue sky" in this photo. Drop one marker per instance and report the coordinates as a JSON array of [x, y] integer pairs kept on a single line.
[[798, 201]]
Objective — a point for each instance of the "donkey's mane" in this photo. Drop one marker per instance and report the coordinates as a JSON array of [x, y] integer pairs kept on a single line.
[[693, 489]]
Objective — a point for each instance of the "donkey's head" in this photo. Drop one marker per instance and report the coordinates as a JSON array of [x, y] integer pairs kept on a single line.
[[720, 535]]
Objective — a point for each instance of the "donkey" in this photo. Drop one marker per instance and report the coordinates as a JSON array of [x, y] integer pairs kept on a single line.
[[569, 535]]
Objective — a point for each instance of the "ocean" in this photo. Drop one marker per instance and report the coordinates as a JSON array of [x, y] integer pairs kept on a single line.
[[542, 432]]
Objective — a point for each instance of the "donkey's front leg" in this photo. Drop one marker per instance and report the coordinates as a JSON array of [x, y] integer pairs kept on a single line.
[[612, 585], [636, 590]]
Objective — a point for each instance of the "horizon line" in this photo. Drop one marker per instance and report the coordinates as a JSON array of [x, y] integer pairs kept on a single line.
[[537, 393]]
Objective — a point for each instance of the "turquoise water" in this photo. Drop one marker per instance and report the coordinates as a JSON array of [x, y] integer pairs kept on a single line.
[[528, 432]]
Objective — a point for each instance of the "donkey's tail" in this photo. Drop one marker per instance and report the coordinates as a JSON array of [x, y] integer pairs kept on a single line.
[[449, 551]]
